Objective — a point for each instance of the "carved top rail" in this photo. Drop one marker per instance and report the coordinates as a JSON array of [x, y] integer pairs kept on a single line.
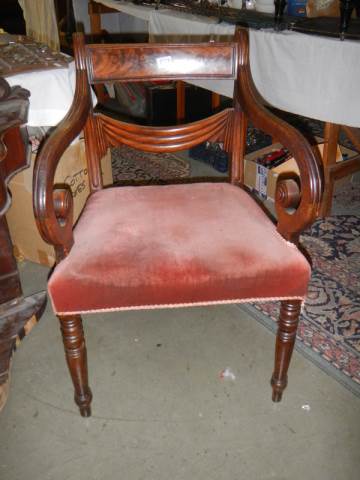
[[145, 62]]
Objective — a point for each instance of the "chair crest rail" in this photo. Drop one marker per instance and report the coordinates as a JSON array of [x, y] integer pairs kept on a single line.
[[145, 62]]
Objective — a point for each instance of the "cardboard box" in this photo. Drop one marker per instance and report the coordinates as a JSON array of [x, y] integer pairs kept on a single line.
[[72, 170], [263, 180]]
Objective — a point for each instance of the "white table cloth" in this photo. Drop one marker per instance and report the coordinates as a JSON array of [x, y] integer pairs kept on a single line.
[[314, 76], [138, 11], [310, 75], [51, 94], [131, 18]]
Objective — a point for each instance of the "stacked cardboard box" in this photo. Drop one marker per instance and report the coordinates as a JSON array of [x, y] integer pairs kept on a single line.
[[72, 170], [263, 179]]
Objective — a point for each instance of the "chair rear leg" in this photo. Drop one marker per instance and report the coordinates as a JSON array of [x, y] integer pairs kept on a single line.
[[285, 341], [75, 351]]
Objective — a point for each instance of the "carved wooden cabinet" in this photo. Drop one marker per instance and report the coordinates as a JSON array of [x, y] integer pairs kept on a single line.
[[17, 313]]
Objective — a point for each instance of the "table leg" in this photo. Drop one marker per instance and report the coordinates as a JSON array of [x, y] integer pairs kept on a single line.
[[215, 101], [180, 101], [279, 11], [353, 135], [95, 18], [331, 135], [17, 314], [95, 26], [352, 165], [346, 8]]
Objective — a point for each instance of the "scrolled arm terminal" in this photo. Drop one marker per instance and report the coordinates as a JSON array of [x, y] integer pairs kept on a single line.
[[51, 207]]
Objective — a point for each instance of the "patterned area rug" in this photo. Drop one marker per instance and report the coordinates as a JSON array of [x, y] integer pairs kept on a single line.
[[132, 166], [329, 330]]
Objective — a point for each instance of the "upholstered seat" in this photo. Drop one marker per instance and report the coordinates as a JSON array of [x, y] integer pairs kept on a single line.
[[175, 245]]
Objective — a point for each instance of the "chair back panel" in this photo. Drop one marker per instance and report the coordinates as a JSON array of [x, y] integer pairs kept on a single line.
[[145, 62], [165, 139]]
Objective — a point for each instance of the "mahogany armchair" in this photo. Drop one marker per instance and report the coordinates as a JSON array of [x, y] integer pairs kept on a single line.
[[146, 247]]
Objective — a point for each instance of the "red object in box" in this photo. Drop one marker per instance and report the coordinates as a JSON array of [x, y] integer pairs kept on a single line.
[[274, 158]]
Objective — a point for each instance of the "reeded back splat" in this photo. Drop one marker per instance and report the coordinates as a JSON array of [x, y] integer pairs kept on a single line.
[[164, 139]]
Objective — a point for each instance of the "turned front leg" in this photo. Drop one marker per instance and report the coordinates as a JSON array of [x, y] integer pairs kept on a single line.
[[75, 351], [285, 341]]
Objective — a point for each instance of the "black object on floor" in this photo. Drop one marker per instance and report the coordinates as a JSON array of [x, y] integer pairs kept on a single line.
[[214, 155]]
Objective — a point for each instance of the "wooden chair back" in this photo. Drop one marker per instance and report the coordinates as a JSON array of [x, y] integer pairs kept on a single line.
[[149, 62]]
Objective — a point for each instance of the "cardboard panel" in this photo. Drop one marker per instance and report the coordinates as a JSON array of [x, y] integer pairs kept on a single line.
[[72, 170], [263, 180]]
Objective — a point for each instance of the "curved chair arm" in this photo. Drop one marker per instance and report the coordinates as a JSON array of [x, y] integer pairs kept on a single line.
[[53, 210], [247, 98]]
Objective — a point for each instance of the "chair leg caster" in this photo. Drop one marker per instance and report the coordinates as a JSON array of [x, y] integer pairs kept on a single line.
[[277, 389], [84, 402], [85, 411], [276, 396]]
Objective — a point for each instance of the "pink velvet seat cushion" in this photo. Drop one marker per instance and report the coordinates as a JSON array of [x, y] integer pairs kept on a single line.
[[153, 246]]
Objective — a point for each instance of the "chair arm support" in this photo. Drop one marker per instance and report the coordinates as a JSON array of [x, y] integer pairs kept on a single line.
[[290, 223], [55, 221]]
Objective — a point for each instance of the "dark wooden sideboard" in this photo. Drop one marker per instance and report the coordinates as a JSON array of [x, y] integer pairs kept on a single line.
[[17, 313]]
